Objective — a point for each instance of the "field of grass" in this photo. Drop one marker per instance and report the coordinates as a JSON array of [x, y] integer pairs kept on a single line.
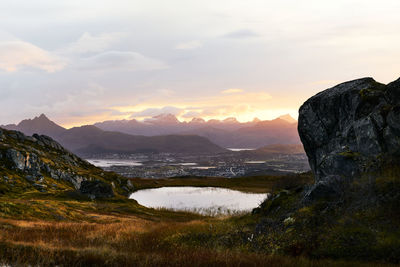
[[64, 229], [128, 240]]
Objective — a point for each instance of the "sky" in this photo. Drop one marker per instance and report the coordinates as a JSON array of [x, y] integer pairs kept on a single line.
[[81, 62]]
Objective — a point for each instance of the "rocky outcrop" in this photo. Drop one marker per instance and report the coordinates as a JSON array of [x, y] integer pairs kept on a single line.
[[30, 162], [96, 189], [40, 162], [348, 129]]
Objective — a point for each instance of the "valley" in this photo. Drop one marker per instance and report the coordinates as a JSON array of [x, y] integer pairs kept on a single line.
[[229, 164], [151, 202]]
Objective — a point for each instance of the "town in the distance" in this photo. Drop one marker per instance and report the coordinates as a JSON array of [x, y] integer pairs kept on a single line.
[[163, 146]]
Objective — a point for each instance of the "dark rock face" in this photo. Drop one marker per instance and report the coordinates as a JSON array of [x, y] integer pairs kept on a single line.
[[26, 159], [346, 129], [96, 189], [32, 165], [38, 162]]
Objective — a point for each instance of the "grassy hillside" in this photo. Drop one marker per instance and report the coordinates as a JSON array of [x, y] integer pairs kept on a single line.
[[363, 224], [122, 233], [45, 220], [48, 230]]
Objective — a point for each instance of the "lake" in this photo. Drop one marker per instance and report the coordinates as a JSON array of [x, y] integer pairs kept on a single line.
[[104, 163], [204, 200], [240, 149]]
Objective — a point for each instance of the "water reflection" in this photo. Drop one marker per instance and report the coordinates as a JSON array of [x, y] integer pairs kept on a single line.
[[104, 163], [203, 200]]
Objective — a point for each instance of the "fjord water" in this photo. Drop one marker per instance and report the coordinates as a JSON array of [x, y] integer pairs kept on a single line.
[[103, 163], [203, 200]]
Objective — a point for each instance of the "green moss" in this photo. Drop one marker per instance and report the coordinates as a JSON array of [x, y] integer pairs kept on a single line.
[[371, 94], [349, 154]]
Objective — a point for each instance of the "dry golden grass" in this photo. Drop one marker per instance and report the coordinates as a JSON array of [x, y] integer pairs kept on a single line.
[[58, 231], [122, 241]]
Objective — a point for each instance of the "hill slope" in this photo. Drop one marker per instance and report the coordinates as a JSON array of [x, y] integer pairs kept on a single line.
[[38, 163], [90, 139]]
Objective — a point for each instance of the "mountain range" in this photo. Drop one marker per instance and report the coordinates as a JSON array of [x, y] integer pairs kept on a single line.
[[89, 139], [164, 133], [228, 133]]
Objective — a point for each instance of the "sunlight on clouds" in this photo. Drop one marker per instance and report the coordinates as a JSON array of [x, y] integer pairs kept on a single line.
[[15, 55], [196, 57], [232, 91], [151, 112], [244, 106]]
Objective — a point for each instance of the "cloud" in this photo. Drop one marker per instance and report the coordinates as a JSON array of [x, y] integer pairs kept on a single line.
[[241, 34], [232, 91], [151, 112], [189, 45], [121, 61], [16, 54], [244, 105], [88, 43], [224, 110]]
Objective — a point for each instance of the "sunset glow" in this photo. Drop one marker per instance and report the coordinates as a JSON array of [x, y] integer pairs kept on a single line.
[[81, 63]]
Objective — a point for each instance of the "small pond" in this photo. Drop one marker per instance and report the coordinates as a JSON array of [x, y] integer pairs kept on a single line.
[[204, 200]]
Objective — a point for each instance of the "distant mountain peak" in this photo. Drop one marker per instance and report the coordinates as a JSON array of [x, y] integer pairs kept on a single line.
[[230, 120], [213, 121], [42, 119], [197, 120], [287, 118], [42, 116], [40, 124], [165, 118], [165, 115]]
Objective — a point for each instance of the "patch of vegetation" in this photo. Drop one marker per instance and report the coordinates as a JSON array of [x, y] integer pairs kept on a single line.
[[132, 241], [371, 94], [254, 184], [363, 225], [349, 154]]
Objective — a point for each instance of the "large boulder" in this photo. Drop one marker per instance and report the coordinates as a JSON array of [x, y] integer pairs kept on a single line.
[[96, 189], [346, 130]]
